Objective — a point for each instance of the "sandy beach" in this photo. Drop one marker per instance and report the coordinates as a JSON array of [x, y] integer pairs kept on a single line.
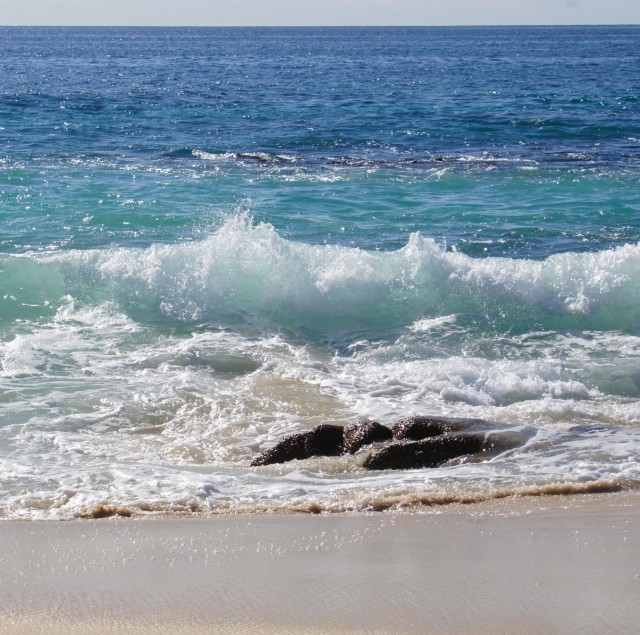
[[531, 565]]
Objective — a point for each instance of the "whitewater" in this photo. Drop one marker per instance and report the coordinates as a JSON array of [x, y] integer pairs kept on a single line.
[[148, 379]]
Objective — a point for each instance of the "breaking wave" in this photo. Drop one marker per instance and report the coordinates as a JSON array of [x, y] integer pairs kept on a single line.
[[246, 273]]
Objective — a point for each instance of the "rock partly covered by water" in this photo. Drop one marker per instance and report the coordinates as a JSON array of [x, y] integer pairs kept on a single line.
[[364, 433], [413, 442], [431, 452], [324, 440]]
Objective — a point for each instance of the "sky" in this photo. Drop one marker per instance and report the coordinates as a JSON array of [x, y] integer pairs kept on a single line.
[[316, 12]]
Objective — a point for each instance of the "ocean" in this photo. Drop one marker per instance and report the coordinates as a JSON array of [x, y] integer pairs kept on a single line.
[[212, 238]]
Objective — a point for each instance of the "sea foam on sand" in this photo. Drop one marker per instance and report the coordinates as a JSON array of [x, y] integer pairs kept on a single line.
[[530, 565]]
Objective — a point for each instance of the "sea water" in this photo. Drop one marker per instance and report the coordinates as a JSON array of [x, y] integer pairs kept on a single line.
[[213, 238]]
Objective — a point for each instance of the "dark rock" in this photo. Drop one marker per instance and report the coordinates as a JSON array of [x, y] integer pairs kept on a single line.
[[324, 440], [364, 433], [417, 428], [405, 455]]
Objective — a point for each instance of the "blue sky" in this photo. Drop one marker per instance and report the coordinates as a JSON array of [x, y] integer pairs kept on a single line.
[[317, 12]]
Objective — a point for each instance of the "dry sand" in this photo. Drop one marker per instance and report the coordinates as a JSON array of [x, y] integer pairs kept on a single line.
[[533, 565]]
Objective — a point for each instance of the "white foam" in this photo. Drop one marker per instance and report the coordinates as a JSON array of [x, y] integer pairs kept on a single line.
[[115, 395], [427, 324]]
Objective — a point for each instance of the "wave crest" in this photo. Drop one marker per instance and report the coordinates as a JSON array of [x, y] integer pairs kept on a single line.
[[247, 273]]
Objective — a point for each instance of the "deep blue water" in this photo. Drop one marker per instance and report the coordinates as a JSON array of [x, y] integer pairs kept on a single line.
[[212, 237], [517, 141]]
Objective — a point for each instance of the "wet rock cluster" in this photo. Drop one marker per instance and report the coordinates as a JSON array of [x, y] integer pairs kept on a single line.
[[411, 443]]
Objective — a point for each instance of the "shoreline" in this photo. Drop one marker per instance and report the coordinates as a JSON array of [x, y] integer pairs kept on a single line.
[[529, 565]]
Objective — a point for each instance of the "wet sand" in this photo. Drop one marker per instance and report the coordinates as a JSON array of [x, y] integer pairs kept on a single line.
[[531, 565]]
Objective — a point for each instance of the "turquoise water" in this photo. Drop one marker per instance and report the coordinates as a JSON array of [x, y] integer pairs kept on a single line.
[[212, 238]]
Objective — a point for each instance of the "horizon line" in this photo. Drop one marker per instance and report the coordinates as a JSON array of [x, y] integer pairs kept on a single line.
[[316, 26]]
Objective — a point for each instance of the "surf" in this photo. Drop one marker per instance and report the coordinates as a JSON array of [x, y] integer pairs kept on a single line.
[[246, 273]]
